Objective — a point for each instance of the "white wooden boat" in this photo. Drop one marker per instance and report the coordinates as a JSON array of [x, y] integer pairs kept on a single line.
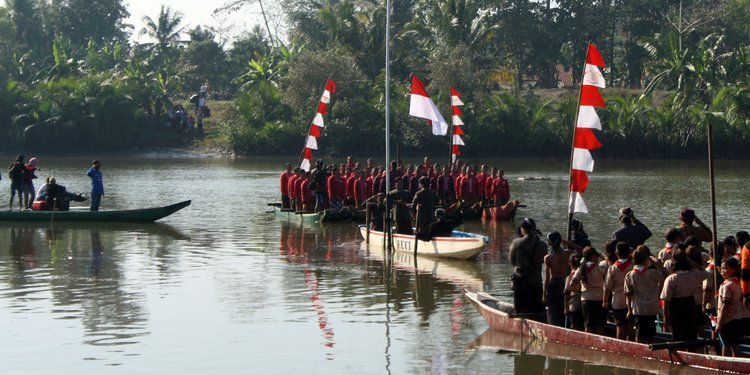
[[460, 245]]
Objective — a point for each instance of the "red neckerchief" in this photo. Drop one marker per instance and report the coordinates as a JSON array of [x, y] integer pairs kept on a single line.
[[639, 270], [668, 248], [590, 266], [623, 265]]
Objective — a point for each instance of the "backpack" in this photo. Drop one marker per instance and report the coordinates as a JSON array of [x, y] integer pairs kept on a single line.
[[16, 171]]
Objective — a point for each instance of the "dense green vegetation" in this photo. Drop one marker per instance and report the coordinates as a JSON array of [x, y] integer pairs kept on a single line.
[[670, 72]]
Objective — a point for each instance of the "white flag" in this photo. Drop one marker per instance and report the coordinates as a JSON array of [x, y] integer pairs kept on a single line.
[[457, 120], [305, 166], [576, 203], [457, 140], [582, 160], [423, 107], [593, 77], [312, 143], [318, 120], [587, 118]]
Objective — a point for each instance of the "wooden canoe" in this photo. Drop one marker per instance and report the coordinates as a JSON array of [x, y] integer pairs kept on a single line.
[[461, 245], [305, 217], [504, 322], [142, 215]]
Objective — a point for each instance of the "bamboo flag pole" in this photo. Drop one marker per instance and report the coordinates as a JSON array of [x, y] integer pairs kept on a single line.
[[572, 148]]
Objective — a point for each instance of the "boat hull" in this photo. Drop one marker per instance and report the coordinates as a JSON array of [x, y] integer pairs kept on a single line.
[[313, 217], [503, 322], [142, 215], [462, 246]]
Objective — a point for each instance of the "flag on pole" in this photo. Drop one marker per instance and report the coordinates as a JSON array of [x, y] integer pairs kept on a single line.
[[584, 138], [422, 106], [311, 142], [458, 131]]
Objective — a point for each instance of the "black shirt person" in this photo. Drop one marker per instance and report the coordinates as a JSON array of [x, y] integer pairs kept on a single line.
[[443, 226], [527, 256], [632, 231], [424, 203]]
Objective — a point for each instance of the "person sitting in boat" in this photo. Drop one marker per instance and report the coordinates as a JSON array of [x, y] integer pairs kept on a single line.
[[701, 231], [527, 256], [632, 231], [376, 208], [443, 225], [56, 196]]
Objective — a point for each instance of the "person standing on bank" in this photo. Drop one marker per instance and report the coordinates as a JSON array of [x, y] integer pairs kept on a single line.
[[527, 256], [97, 185]]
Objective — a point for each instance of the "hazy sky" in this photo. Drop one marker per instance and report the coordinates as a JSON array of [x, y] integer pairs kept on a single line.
[[199, 12]]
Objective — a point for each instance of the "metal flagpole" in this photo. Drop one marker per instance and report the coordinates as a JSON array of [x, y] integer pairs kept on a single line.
[[387, 227]]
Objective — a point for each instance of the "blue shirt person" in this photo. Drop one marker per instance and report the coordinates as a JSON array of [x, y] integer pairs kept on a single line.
[[97, 185]]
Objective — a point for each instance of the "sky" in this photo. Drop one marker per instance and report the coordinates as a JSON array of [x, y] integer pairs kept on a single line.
[[198, 12]]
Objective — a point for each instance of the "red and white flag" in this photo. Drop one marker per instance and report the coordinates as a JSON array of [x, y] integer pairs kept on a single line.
[[457, 123], [587, 120], [423, 107], [311, 142]]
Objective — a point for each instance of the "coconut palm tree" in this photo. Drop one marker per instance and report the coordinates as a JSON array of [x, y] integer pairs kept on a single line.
[[165, 30]]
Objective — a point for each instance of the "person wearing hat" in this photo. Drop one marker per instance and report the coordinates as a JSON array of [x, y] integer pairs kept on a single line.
[[97, 185], [701, 231], [527, 256], [28, 183], [632, 231]]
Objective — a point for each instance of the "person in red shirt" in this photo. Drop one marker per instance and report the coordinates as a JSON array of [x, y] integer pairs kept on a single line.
[[360, 189], [369, 167], [307, 196], [481, 181], [298, 193], [353, 176], [284, 183], [489, 184], [290, 188], [501, 189], [336, 187], [349, 163], [458, 180], [425, 167], [469, 188]]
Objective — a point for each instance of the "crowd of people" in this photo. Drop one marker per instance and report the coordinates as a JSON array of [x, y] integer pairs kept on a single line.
[[578, 287], [51, 195], [415, 190]]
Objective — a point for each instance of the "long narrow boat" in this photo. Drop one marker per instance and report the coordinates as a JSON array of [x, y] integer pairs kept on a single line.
[[142, 215], [460, 245], [497, 317], [305, 217]]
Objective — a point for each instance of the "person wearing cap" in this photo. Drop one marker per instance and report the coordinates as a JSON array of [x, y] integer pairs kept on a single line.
[[527, 256], [398, 198], [97, 185], [555, 270], [15, 172], [28, 183], [700, 231], [284, 184], [632, 231], [423, 204]]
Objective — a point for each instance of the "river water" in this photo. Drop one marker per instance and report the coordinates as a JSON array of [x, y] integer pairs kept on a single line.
[[224, 287]]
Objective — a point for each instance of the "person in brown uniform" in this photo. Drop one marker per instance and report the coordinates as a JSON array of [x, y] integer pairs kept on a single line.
[[642, 293], [699, 231], [614, 285]]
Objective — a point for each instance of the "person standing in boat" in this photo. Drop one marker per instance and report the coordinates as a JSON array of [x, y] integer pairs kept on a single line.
[[527, 256], [15, 172], [729, 320], [573, 309], [336, 190], [423, 204], [632, 231], [591, 275], [678, 297], [320, 185], [500, 189], [578, 235], [482, 184], [673, 237], [445, 187], [399, 198], [97, 184], [28, 183], [284, 183], [555, 270], [641, 291], [700, 231], [614, 285], [377, 209]]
